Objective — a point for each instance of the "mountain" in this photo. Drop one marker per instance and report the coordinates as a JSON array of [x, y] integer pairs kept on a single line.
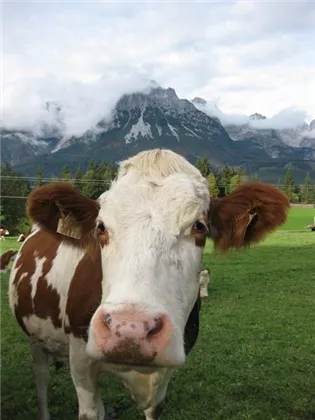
[[308, 138], [20, 146], [258, 126], [257, 117], [150, 119]]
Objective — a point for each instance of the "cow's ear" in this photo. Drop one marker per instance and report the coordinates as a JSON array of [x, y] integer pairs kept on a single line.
[[61, 208], [246, 215]]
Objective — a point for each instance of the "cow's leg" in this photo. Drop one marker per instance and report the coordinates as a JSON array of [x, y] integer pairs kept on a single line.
[[148, 391], [41, 373], [158, 402], [84, 373]]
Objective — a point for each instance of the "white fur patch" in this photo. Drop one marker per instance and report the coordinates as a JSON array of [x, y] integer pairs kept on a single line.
[[150, 260], [53, 339], [62, 272]]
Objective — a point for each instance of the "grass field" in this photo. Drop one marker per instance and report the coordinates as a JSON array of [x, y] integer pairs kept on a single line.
[[254, 360], [299, 218]]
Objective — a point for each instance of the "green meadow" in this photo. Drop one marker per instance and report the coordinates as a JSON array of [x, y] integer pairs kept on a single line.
[[255, 356]]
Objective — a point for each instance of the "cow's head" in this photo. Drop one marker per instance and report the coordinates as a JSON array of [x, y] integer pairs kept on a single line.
[[152, 226]]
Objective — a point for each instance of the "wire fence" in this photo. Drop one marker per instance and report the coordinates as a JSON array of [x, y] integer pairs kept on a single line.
[[33, 182]]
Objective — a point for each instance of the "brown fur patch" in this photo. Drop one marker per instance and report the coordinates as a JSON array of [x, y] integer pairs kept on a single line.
[[47, 204], [200, 237], [103, 237], [6, 258], [46, 299], [85, 292], [246, 215], [200, 241]]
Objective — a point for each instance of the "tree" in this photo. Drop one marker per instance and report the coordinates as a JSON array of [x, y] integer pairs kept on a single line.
[[39, 176], [212, 184], [2, 215], [66, 174], [225, 176], [256, 178], [308, 191], [202, 164], [243, 175], [243, 172], [289, 185], [235, 181], [14, 187], [92, 185], [78, 178]]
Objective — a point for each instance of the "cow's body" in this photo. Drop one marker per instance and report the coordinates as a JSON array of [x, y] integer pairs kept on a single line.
[[63, 297], [114, 284]]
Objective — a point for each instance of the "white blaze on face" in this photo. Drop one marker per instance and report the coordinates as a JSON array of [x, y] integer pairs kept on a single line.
[[150, 259]]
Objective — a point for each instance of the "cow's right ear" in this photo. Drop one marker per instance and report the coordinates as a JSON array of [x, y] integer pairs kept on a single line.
[[61, 208], [247, 215]]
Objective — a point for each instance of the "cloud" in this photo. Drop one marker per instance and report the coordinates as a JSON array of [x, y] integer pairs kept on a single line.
[[254, 56], [310, 134], [287, 118], [82, 105]]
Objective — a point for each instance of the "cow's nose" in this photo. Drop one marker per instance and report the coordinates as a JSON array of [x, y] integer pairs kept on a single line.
[[131, 337], [124, 325]]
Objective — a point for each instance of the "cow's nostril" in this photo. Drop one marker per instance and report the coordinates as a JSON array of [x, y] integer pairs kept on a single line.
[[157, 327], [107, 319]]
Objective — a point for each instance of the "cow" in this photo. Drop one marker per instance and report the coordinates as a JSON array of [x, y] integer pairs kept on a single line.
[[204, 279], [4, 233], [5, 259], [112, 284], [21, 238]]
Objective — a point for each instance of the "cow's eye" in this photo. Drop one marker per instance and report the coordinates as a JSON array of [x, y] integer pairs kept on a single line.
[[200, 226], [101, 227]]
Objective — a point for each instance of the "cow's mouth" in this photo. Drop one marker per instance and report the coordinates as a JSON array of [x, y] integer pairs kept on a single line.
[[129, 365], [139, 364]]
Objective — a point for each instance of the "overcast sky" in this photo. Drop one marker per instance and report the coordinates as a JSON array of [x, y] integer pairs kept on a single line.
[[246, 56]]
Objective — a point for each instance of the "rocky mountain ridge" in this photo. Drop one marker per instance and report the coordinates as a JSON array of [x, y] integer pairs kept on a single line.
[[144, 120]]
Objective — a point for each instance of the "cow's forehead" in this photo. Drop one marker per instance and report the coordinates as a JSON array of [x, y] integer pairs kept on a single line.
[[172, 202]]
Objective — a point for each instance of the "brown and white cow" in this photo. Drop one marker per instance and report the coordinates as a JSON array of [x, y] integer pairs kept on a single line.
[[21, 237], [4, 233], [204, 279], [113, 284], [5, 259]]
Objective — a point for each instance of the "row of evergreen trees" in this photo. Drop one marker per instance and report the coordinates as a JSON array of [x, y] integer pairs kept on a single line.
[[15, 187], [225, 180], [96, 179], [92, 183]]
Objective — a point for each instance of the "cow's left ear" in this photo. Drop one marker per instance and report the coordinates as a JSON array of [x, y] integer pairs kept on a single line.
[[61, 208], [246, 215]]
